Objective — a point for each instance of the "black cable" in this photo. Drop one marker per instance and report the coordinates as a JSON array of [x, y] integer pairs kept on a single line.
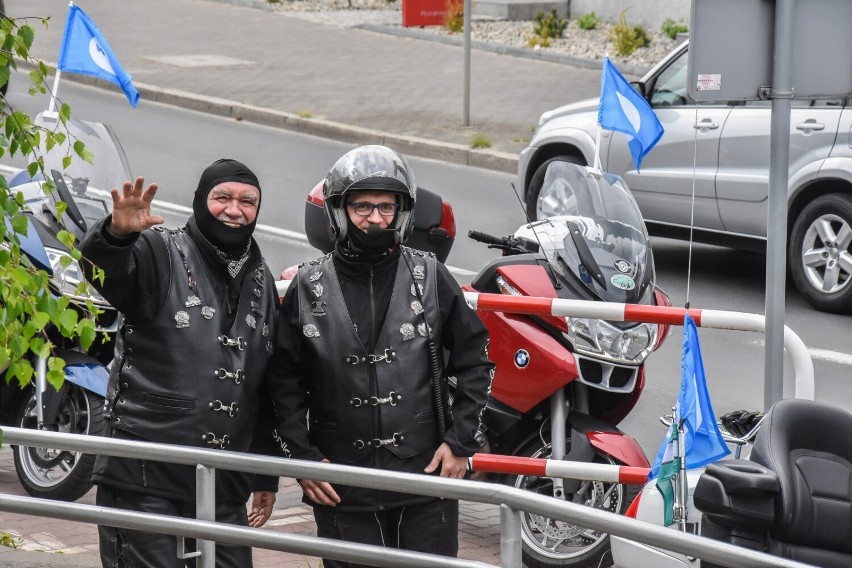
[[435, 367]]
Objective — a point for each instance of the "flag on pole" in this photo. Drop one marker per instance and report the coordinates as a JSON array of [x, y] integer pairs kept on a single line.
[[702, 439], [624, 110], [85, 50]]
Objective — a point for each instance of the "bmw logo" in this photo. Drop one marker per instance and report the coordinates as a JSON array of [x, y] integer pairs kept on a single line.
[[522, 358]]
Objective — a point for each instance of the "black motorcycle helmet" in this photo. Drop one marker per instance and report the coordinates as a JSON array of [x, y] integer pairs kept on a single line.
[[370, 168]]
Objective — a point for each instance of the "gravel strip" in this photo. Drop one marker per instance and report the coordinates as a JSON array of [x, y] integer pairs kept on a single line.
[[590, 45]]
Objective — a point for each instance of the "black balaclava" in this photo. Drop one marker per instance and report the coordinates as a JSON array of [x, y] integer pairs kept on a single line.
[[230, 240]]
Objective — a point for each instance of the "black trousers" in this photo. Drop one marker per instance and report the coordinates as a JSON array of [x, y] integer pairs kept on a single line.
[[431, 527], [124, 548]]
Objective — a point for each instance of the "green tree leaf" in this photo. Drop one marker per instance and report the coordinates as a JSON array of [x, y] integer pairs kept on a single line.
[[87, 333], [67, 321]]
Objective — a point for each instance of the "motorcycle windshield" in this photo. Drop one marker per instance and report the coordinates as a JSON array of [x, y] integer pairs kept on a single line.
[[597, 236], [85, 184]]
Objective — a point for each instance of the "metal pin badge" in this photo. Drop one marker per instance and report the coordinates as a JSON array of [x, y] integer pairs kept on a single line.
[[208, 312], [415, 290], [317, 310], [423, 330], [407, 331], [419, 272], [251, 322], [318, 290], [265, 329], [310, 330], [315, 276], [192, 301], [181, 319], [417, 307]]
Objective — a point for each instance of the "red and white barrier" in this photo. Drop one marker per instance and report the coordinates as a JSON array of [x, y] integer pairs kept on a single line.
[[714, 319], [491, 463]]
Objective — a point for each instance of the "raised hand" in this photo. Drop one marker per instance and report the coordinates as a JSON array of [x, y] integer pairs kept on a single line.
[[131, 209]]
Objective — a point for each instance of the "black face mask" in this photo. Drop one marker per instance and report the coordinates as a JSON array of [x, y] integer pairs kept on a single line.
[[230, 240], [369, 246]]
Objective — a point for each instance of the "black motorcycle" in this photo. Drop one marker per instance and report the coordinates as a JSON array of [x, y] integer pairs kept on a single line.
[[78, 406]]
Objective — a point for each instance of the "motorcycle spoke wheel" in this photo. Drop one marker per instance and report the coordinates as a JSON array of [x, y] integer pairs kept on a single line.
[[551, 542]]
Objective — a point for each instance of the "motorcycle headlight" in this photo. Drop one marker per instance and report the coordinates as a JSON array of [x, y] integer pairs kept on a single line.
[[601, 339], [66, 279]]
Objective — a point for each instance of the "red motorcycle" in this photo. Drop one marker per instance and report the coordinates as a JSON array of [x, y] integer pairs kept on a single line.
[[561, 385]]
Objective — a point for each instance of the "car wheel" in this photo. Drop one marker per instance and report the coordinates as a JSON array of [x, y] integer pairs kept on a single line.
[[820, 254], [533, 206]]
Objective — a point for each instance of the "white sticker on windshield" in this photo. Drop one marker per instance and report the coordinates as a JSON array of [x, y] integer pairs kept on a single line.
[[622, 281]]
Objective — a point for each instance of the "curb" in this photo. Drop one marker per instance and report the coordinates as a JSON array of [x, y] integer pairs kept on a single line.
[[15, 558], [410, 145]]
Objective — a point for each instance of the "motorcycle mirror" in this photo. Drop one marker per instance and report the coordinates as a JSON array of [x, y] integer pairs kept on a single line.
[[72, 210]]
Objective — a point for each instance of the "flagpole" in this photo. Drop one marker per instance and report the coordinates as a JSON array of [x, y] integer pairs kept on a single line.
[[51, 108], [598, 165], [682, 485]]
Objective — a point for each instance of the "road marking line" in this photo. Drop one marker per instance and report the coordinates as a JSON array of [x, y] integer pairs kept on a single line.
[[823, 354], [831, 356]]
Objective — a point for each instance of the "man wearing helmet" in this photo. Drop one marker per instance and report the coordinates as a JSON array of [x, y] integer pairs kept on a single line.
[[351, 375], [198, 312]]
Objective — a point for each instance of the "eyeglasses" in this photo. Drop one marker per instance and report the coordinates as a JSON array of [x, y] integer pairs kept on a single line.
[[364, 209]]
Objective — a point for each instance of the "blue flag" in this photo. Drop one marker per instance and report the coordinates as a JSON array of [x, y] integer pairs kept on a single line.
[[84, 50], [624, 110], [703, 442]]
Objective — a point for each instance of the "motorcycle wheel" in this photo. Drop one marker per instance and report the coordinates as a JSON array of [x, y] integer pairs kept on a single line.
[[549, 542], [59, 474]]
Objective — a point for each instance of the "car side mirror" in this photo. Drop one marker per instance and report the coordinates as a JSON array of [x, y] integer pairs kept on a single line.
[[640, 87]]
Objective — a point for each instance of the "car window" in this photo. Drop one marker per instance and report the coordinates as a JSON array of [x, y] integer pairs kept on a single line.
[[670, 86]]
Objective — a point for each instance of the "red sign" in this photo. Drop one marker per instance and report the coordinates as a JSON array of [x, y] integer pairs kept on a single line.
[[423, 12]]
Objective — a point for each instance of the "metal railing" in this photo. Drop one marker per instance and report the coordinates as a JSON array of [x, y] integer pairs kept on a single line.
[[512, 503]]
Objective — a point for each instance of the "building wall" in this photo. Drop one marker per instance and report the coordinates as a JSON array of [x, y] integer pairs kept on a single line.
[[648, 13]]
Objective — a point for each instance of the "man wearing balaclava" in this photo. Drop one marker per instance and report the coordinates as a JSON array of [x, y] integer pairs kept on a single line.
[[360, 335], [198, 318]]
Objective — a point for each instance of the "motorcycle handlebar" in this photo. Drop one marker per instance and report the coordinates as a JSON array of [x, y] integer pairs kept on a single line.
[[486, 238], [510, 245]]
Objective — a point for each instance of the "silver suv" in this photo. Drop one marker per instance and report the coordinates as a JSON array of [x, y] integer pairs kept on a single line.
[[721, 151]]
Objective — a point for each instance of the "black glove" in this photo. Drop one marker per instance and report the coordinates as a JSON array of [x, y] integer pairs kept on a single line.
[[740, 422]]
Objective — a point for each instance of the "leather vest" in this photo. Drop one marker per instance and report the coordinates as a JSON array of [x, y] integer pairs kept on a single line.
[[187, 377], [364, 402]]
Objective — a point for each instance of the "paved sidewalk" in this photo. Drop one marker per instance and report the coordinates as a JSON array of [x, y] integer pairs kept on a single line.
[[351, 83]]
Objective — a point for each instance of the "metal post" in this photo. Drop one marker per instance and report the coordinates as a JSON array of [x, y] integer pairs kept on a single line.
[[776, 226], [510, 537], [205, 510], [40, 387], [467, 15], [557, 436]]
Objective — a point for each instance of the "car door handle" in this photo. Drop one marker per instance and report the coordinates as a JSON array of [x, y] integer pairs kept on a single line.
[[810, 125], [706, 124]]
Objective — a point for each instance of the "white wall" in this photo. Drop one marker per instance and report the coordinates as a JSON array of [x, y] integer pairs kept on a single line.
[[648, 13]]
